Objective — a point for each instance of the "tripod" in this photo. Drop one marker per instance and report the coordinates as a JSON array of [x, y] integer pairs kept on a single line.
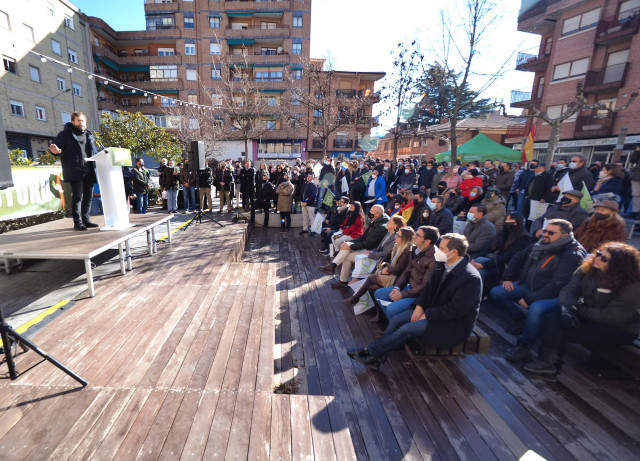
[[6, 331]]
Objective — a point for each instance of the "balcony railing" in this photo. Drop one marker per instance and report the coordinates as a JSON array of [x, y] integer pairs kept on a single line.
[[347, 144], [257, 27], [317, 144], [346, 94], [532, 62], [522, 99], [618, 28], [588, 126], [606, 79]]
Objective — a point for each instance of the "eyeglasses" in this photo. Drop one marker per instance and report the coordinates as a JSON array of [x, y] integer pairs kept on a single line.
[[602, 257], [545, 231]]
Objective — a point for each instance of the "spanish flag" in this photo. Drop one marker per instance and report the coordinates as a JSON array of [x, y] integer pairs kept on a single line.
[[527, 152]]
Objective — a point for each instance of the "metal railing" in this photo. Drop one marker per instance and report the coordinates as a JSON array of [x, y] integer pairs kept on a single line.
[[520, 96], [620, 25], [606, 77]]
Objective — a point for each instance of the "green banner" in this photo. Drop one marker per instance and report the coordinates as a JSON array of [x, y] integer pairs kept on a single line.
[[36, 190], [365, 177], [328, 198]]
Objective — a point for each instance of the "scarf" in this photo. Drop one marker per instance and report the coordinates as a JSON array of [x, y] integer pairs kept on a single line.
[[540, 248]]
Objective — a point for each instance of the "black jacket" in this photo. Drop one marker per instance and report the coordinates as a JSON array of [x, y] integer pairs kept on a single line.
[[373, 235], [74, 165], [205, 178], [443, 220], [416, 214], [224, 176], [247, 180], [451, 307], [540, 187], [264, 193]]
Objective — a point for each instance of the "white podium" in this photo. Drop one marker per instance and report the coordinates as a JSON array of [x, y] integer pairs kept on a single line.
[[109, 163]]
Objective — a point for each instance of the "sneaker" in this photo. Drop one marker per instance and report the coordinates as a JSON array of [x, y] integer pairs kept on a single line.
[[90, 224], [350, 301], [353, 351], [365, 358], [80, 227], [541, 367], [518, 354], [324, 252], [303, 231]]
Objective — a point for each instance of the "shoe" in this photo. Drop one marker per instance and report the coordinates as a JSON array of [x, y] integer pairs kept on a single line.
[[541, 367], [328, 269], [353, 351], [311, 234], [90, 224], [184, 211], [324, 252], [551, 377], [515, 328], [350, 301], [80, 227], [365, 358], [303, 231], [518, 354], [338, 285]]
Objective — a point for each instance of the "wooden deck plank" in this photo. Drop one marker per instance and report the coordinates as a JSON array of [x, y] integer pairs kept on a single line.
[[177, 437], [301, 442], [220, 426], [280, 428], [238, 446], [199, 431], [260, 428], [323, 447]]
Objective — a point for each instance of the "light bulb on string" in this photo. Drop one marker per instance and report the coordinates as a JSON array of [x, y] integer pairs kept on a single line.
[[105, 82], [133, 91], [155, 96], [43, 59], [69, 69], [145, 95], [90, 77], [122, 87]]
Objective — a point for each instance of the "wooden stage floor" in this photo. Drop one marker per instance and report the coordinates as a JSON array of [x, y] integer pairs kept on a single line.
[[183, 355]]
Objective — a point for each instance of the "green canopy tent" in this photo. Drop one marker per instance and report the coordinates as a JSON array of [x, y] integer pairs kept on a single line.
[[482, 148]]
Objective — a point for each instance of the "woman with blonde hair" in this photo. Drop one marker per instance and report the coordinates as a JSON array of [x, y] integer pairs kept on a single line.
[[390, 266]]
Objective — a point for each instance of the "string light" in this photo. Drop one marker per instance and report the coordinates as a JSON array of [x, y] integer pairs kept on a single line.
[[90, 77], [122, 87], [43, 59], [70, 69]]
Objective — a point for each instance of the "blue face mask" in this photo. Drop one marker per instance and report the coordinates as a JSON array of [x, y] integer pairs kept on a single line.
[[432, 205], [470, 217], [472, 194], [538, 173]]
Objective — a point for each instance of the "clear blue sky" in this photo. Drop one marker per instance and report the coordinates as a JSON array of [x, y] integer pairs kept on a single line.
[[359, 34]]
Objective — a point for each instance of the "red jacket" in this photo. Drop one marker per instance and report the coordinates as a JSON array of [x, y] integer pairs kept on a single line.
[[355, 230], [468, 184]]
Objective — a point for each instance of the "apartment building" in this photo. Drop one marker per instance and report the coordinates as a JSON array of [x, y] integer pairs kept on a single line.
[[39, 95], [592, 42], [182, 54]]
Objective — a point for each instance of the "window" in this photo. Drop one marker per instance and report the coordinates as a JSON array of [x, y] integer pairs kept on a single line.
[[73, 56], [240, 26], [297, 21], [581, 22], [68, 22], [34, 73], [268, 25], [193, 124], [55, 47], [66, 117], [9, 64], [167, 102], [192, 74], [77, 89], [215, 74], [297, 48], [190, 49], [296, 74], [269, 75], [17, 108], [192, 98], [166, 52], [4, 20], [214, 48], [628, 10], [555, 112], [28, 33], [163, 73], [51, 10], [295, 101], [214, 22], [217, 123], [188, 23], [571, 69], [272, 101], [159, 22], [216, 99], [62, 83], [270, 124], [41, 114]]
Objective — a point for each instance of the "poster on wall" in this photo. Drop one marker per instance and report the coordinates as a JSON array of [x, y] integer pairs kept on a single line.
[[36, 190]]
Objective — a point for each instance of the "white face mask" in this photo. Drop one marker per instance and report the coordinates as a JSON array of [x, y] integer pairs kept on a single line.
[[425, 215], [407, 171]]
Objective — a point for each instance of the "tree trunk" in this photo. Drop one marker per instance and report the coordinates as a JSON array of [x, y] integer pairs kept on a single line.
[[246, 149], [395, 151], [554, 137], [453, 139]]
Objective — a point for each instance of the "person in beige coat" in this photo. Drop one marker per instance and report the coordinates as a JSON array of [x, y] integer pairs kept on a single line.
[[285, 200], [496, 209]]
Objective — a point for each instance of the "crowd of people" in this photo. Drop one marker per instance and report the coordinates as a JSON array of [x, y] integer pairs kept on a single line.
[[445, 238]]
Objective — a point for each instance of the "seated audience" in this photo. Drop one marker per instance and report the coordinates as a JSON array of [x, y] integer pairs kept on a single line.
[[335, 218], [496, 208], [419, 205], [415, 277], [610, 181], [568, 209], [392, 265], [352, 227], [407, 207], [441, 217], [454, 201], [445, 312], [479, 232], [533, 280], [604, 226], [599, 307], [472, 181]]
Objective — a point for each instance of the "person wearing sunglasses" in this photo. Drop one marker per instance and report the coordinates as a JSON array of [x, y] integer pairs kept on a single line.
[[599, 307], [532, 281]]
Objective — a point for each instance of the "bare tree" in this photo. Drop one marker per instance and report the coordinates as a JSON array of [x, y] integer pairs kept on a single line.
[[461, 42], [578, 104], [399, 90], [196, 123], [320, 107]]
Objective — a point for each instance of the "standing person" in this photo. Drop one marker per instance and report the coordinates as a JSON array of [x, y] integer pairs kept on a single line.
[[188, 181], [635, 183], [205, 179], [247, 185], [75, 144], [141, 184], [171, 183], [265, 193], [161, 168], [225, 179], [285, 201], [376, 191], [522, 186], [308, 202], [578, 174], [437, 178], [504, 180]]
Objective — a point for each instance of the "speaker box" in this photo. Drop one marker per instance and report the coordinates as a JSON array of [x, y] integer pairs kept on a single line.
[[196, 155]]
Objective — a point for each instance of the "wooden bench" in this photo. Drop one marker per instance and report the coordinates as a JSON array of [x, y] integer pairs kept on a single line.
[[632, 223], [627, 358], [477, 343]]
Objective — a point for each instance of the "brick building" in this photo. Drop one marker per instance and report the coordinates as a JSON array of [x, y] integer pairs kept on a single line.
[[39, 96], [432, 140], [594, 42], [177, 58]]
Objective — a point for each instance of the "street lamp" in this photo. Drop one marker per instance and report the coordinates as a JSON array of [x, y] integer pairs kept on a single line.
[[54, 109]]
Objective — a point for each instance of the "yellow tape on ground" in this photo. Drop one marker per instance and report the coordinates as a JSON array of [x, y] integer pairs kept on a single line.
[[173, 231], [24, 327]]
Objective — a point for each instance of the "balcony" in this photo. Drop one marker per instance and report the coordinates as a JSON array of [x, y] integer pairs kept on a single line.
[[163, 6], [532, 62], [523, 100], [367, 121], [258, 31], [343, 144], [616, 29], [346, 94], [245, 5], [606, 79], [535, 20], [369, 94], [317, 144], [594, 126]]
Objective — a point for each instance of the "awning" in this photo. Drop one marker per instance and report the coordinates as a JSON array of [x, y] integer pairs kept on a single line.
[[239, 15], [482, 148], [268, 65], [272, 91], [240, 41], [135, 68]]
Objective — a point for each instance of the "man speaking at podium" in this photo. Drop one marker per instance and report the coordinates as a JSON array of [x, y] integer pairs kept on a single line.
[[75, 144]]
